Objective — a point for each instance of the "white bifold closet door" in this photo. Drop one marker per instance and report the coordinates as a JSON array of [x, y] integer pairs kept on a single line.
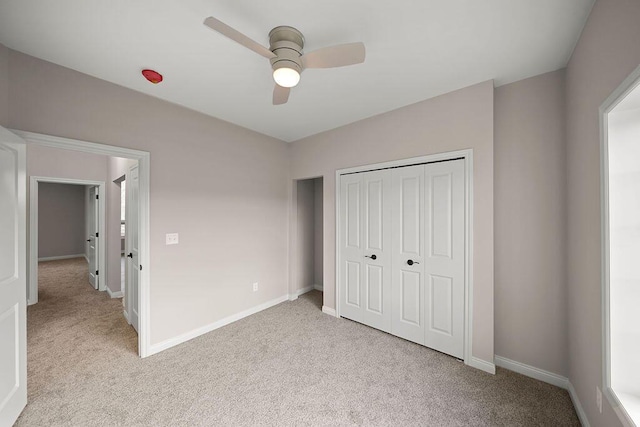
[[402, 252], [366, 248]]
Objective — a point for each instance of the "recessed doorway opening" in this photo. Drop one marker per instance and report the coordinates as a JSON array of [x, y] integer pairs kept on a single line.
[[307, 238]]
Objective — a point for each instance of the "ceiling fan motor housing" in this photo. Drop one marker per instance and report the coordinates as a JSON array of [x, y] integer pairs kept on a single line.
[[287, 44]]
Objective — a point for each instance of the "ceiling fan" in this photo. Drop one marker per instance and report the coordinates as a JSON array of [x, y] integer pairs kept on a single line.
[[286, 55]]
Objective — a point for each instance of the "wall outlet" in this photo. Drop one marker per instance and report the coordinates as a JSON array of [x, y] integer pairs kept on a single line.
[[172, 238], [255, 287], [599, 399]]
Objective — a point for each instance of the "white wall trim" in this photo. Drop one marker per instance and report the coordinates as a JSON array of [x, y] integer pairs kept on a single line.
[[144, 165], [172, 342], [33, 231], [117, 294], [547, 377], [318, 287], [483, 365], [582, 416], [467, 154], [330, 311], [55, 258], [627, 86], [126, 316], [294, 296], [533, 372]]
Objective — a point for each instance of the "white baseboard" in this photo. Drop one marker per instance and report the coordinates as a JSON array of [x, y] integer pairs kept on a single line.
[[318, 288], [582, 416], [533, 372], [483, 365], [172, 342], [126, 316], [547, 377], [55, 258], [86, 258], [329, 311], [294, 296], [117, 294]]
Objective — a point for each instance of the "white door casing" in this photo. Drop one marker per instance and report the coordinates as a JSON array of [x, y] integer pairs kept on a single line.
[[444, 257], [13, 284], [132, 299], [408, 251], [93, 236]]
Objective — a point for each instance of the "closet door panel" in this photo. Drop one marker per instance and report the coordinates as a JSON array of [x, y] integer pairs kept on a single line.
[[352, 249], [444, 260], [408, 252], [377, 243]]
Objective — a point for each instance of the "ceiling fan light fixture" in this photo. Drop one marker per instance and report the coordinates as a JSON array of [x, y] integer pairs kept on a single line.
[[286, 77]]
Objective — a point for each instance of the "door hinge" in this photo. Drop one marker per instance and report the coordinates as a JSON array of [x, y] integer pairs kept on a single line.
[[97, 272], [140, 267], [97, 234], [97, 196]]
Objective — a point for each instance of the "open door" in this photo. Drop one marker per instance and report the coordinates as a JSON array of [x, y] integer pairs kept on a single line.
[[133, 245], [93, 236], [13, 284]]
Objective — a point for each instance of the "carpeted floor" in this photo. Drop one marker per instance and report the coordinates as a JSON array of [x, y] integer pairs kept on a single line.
[[288, 365]]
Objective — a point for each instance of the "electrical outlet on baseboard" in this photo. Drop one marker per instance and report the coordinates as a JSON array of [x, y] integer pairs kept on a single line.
[[599, 398], [255, 286]]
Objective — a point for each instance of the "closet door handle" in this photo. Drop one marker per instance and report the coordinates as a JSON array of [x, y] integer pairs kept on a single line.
[[130, 255], [373, 257], [411, 262]]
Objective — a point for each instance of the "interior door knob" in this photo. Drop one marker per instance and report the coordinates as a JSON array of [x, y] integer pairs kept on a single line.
[[411, 262], [372, 256], [130, 255], [88, 240]]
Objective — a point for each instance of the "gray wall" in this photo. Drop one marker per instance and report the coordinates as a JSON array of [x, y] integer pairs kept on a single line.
[[458, 120], [530, 222], [221, 187], [605, 55], [61, 220]]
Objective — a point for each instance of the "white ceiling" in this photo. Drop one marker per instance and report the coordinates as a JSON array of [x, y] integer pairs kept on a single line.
[[416, 49]]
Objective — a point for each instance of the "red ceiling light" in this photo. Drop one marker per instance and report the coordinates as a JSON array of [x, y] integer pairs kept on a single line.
[[153, 76]]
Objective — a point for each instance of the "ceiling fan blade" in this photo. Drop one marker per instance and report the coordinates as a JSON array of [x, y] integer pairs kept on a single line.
[[335, 56], [280, 95], [238, 37]]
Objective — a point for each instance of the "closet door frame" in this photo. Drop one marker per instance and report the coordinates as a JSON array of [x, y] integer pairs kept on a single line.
[[467, 155]]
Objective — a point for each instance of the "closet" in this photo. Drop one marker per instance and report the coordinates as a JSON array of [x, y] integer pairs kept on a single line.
[[402, 252]]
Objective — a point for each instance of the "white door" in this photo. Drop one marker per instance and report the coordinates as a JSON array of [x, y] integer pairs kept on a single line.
[[133, 246], [376, 274], [13, 285], [366, 248], [444, 257], [352, 248], [93, 236], [408, 253]]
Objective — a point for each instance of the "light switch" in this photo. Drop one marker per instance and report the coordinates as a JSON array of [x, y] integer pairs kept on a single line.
[[172, 238]]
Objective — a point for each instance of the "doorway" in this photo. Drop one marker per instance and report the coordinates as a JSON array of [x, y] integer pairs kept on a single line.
[[308, 241], [143, 161], [94, 249]]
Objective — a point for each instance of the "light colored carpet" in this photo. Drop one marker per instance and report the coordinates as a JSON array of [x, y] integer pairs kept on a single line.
[[288, 365]]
